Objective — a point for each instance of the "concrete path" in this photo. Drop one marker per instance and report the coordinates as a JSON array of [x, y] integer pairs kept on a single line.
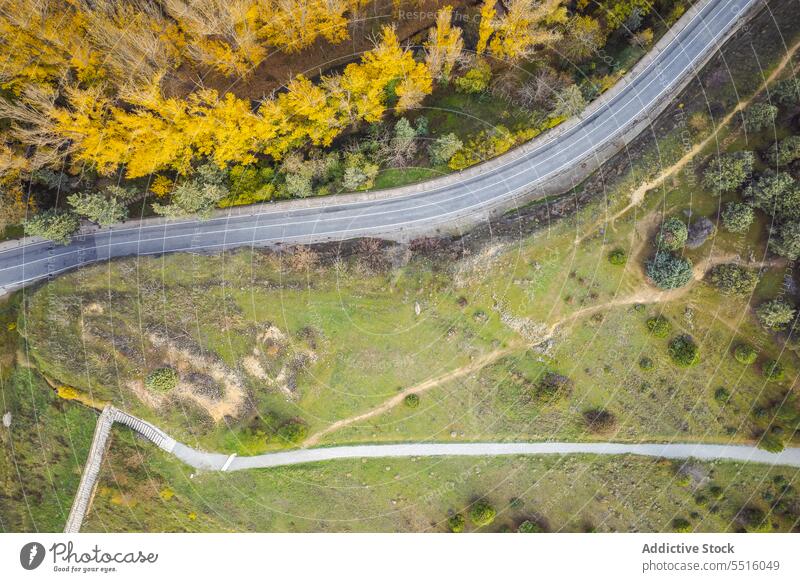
[[550, 164], [215, 461]]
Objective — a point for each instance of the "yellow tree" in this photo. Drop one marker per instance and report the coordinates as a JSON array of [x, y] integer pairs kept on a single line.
[[486, 26], [526, 25], [444, 46]]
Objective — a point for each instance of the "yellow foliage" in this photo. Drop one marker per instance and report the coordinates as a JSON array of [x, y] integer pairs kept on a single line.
[[486, 26], [166, 494], [526, 24], [444, 45], [161, 186]]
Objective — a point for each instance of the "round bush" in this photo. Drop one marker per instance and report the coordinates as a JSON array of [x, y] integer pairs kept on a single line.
[[681, 525], [529, 526], [773, 370], [646, 363], [456, 523], [659, 326], [412, 400], [745, 354], [775, 314], [668, 271], [683, 351], [737, 217], [722, 395], [617, 257], [162, 380], [599, 420], [292, 431], [672, 235], [732, 279], [482, 513]]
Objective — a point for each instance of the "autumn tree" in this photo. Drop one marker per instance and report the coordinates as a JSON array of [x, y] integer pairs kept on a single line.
[[444, 46], [526, 24]]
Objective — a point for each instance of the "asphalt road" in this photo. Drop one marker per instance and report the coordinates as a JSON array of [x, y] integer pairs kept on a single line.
[[340, 219], [218, 462]]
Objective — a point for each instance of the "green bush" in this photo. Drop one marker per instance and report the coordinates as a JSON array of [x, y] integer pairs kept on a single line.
[[482, 513], [646, 363], [785, 240], [617, 257], [659, 326], [162, 380], [775, 314], [476, 80], [745, 354], [443, 148], [668, 271], [737, 217], [787, 91], [529, 526], [784, 152], [292, 432], [732, 279], [456, 523], [249, 185], [760, 116], [553, 386], [683, 351], [728, 171], [773, 370], [722, 395], [681, 525], [672, 235], [599, 420], [412, 400]]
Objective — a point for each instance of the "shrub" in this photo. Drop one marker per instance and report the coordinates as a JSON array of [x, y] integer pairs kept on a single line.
[[412, 400], [787, 91], [443, 148], [162, 380], [773, 370], [456, 523], [672, 235], [722, 395], [659, 326], [683, 351], [249, 185], [737, 217], [681, 525], [728, 171], [98, 208], [751, 517], [760, 116], [482, 513], [292, 431], [476, 79], [196, 196], [785, 241], [732, 279], [668, 271], [775, 194], [646, 363], [617, 257], [771, 443], [529, 526], [775, 314], [745, 354], [599, 420], [53, 225], [553, 386]]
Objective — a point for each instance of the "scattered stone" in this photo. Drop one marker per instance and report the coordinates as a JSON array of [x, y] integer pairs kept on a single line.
[[453, 434], [7, 420], [417, 308]]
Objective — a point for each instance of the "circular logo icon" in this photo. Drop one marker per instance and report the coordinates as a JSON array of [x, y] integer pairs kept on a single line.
[[31, 555]]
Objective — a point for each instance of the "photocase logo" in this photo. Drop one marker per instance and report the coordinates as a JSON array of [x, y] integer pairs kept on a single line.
[[31, 555]]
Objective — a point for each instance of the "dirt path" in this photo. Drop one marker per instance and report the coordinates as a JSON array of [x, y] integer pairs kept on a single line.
[[396, 400], [637, 196]]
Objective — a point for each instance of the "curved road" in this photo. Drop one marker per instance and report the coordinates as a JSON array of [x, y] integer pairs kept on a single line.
[[497, 184], [218, 462]]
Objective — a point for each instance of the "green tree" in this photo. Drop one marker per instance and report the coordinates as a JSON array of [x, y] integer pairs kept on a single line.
[[98, 208], [785, 240], [683, 351], [760, 116], [737, 217], [359, 172], [728, 171], [443, 148], [482, 513], [162, 380], [784, 152], [745, 354], [403, 144], [568, 102], [681, 525], [732, 279], [668, 271], [672, 235], [775, 194], [775, 314], [53, 225], [198, 196], [787, 91]]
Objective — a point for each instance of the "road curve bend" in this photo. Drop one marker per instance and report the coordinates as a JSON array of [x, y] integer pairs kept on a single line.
[[576, 149]]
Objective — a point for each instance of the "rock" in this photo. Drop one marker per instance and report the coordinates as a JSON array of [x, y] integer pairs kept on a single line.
[[699, 232], [417, 308], [7, 420]]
